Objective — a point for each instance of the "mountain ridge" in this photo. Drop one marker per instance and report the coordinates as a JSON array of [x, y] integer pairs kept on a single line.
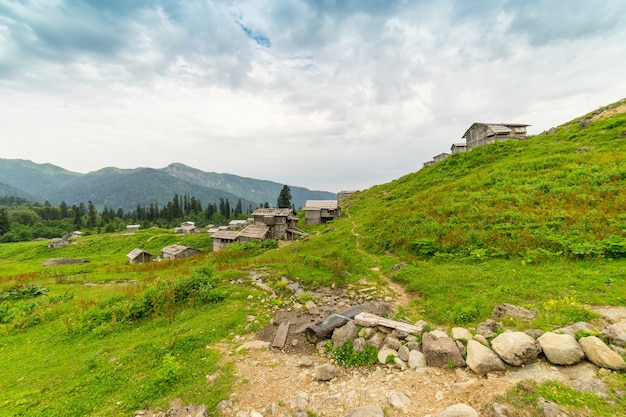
[[127, 188]]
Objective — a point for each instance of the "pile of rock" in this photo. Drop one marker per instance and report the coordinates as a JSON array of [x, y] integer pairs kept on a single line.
[[418, 347]]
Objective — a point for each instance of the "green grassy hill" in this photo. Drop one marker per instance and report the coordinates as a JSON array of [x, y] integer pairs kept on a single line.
[[538, 223]]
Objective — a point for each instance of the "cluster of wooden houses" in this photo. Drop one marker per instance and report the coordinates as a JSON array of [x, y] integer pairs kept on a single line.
[[482, 134], [264, 223]]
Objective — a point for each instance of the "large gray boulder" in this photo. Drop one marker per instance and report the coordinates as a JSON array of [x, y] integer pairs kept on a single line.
[[441, 352], [516, 348], [600, 354], [344, 334], [561, 349], [416, 359], [483, 360]]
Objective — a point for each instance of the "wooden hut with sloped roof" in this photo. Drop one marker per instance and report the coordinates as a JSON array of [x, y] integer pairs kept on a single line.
[[223, 238], [321, 211], [139, 256], [282, 222], [178, 252], [484, 133]]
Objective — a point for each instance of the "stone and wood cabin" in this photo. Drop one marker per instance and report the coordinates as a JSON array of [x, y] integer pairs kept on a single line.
[[459, 147], [177, 252], [321, 211], [139, 256], [484, 133]]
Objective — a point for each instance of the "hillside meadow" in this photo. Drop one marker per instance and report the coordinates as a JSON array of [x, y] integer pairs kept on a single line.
[[538, 223]]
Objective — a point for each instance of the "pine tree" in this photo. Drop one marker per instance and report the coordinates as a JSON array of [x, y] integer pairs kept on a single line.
[[4, 221], [284, 198]]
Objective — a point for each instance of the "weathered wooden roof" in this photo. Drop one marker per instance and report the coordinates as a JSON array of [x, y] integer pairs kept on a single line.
[[226, 234], [255, 231], [136, 252], [284, 212], [496, 127], [321, 204], [174, 249]]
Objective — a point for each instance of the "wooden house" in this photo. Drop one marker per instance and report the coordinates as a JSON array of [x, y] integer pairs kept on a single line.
[[58, 242], [321, 211], [139, 256], [72, 235], [177, 252], [187, 228], [458, 147], [342, 195], [484, 133], [440, 157], [132, 227], [254, 232], [282, 222], [223, 238], [428, 163], [237, 224]]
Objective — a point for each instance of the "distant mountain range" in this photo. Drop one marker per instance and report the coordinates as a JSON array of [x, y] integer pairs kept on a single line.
[[127, 188]]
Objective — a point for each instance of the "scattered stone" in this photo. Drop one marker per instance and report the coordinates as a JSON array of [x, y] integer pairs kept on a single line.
[[550, 409], [345, 333], [403, 353], [488, 328], [400, 364], [593, 385], [295, 342], [615, 333], [561, 349], [311, 307], [416, 359], [574, 328], [461, 347], [534, 333], [325, 372], [253, 344], [366, 332], [516, 348], [187, 410], [224, 404], [421, 325], [481, 339], [397, 267], [600, 354], [439, 333], [384, 353], [392, 342], [414, 345], [441, 352], [367, 411], [359, 344], [483, 360], [458, 410], [398, 399], [514, 311], [305, 362], [460, 333], [376, 340]]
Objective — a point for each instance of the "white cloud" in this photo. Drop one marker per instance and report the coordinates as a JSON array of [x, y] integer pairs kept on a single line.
[[324, 95]]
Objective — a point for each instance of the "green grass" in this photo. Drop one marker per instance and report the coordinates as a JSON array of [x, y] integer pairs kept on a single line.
[[538, 223]]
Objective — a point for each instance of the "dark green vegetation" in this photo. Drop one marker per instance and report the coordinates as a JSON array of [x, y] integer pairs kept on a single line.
[[127, 188], [538, 223]]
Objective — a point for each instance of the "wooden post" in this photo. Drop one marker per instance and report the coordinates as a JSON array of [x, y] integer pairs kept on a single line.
[[323, 330], [371, 320]]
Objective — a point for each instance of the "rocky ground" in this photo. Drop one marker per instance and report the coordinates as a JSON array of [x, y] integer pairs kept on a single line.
[[282, 382]]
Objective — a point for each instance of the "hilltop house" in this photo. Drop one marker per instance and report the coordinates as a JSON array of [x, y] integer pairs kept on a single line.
[[321, 211], [484, 133], [132, 227], [177, 252], [139, 256], [342, 195], [458, 147]]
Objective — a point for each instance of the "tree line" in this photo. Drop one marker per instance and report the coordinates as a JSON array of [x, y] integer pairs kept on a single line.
[[23, 220]]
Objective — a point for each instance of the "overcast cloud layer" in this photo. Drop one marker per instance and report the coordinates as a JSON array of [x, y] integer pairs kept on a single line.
[[328, 95]]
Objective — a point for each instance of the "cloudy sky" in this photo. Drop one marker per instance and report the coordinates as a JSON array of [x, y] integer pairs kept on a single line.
[[329, 95]]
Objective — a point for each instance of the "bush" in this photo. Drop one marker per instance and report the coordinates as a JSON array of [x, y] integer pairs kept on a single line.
[[347, 357]]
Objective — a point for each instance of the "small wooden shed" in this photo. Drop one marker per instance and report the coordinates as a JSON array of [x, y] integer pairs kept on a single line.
[[321, 211], [254, 232], [223, 238], [177, 252], [139, 256]]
